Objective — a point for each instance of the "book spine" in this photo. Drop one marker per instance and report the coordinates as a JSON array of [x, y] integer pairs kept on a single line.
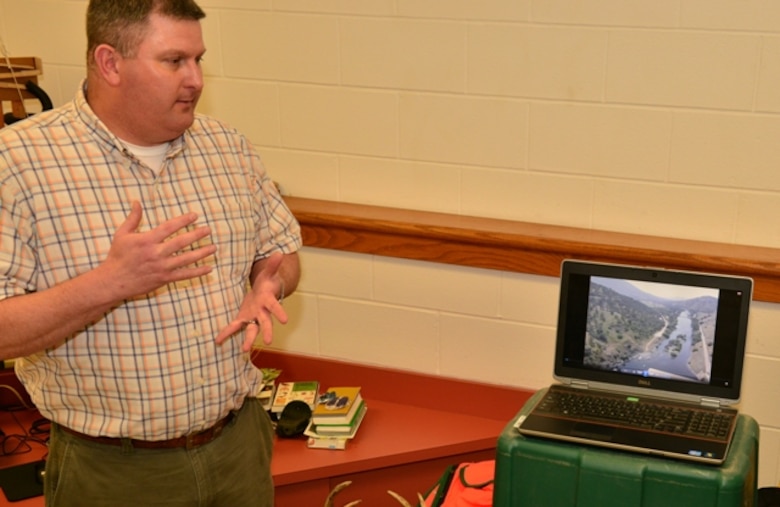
[[327, 443]]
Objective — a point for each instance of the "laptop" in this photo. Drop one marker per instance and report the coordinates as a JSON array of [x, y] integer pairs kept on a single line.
[[661, 352]]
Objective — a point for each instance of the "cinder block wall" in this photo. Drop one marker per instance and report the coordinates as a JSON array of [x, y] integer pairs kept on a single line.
[[658, 117]]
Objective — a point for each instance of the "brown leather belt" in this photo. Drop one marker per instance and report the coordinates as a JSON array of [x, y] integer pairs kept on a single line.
[[190, 441]]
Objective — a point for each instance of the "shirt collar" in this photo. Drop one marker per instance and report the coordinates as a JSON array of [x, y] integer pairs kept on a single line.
[[99, 129]]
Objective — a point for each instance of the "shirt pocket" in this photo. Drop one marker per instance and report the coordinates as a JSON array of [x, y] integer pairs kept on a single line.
[[234, 231]]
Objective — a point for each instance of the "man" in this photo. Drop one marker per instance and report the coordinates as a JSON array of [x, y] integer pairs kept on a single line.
[[143, 249]]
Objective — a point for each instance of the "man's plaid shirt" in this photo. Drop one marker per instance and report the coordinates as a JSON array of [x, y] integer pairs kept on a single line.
[[149, 369]]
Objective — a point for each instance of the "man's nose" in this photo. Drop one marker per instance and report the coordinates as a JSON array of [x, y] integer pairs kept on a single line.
[[195, 75]]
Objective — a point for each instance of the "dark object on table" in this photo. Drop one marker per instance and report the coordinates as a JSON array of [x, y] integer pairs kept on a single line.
[[293, 420]]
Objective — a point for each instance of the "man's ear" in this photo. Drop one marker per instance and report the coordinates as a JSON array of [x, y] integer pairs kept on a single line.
[[107, 63]]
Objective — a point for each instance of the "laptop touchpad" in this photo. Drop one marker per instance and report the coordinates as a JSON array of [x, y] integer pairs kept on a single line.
[[593, 431]]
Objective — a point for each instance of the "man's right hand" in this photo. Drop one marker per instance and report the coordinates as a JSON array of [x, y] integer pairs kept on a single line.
[[142, 262]]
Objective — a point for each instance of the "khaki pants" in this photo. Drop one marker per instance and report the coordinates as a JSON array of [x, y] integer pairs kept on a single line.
[[232, 470]]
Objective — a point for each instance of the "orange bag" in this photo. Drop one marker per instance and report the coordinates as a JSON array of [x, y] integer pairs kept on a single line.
[[464, 485]]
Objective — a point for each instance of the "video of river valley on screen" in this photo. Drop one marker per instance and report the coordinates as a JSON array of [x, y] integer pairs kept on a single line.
[[651, 329]]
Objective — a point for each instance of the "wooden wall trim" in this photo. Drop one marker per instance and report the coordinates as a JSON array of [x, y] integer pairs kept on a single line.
[[521, 247]]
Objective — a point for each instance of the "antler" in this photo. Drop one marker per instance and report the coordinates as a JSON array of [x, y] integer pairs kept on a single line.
[[400, 499], [339, 487], [336, 491], [403, 501]]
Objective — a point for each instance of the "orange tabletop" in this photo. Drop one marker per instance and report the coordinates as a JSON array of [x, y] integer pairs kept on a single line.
[[416, 425]]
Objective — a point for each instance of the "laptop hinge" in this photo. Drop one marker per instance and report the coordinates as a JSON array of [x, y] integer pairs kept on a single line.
[[707, 402], [579, 384]]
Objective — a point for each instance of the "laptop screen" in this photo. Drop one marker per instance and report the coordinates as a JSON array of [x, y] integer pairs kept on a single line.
[[647, 328]]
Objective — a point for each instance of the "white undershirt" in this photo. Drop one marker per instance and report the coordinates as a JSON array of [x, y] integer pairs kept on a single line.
[[152, 156]]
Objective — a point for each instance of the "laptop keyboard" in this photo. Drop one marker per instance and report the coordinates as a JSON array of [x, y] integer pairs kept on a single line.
[[645, 414]]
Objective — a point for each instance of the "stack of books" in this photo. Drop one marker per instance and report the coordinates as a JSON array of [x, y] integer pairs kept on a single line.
[[336, 418]]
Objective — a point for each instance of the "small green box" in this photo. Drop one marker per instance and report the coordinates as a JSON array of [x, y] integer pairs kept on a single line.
[[533, 472]]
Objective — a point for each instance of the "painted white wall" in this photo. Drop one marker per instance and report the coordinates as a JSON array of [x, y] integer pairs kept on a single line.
[[658, 117]]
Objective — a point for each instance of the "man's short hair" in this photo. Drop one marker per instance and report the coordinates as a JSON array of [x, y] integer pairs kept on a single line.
[[122, 23]]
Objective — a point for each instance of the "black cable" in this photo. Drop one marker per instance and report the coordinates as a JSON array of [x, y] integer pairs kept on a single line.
[[15, 444]]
